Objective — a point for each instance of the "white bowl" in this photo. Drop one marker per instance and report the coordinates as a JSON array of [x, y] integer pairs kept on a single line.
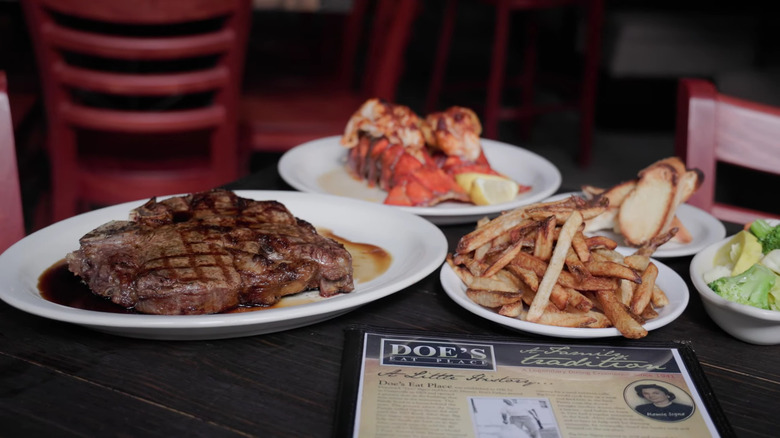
[[746, 323]]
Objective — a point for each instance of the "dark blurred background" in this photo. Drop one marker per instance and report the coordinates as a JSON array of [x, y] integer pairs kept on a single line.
[[647, 46]]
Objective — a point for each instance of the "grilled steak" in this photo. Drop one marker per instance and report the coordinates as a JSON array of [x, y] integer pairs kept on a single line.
[[206, 253]]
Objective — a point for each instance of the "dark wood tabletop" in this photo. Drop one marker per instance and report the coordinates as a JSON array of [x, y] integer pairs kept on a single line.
[[59, 379]]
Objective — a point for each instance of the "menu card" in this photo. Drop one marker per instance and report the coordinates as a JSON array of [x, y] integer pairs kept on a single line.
[[419, 384]]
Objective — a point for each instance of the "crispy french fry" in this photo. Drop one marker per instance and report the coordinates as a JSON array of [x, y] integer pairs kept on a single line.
[[600, 242], [580, 246], [626, 291], [579, 301], [618, 313], [659, 298], [637, 261], [601, 320], [607, 254], [512, 310], [559, 296], [590, 283], [493, 299], [575, 266], [493, 229], [612, 269], [496, 283], [649, 313], [644, 291], [545, 237], [550, 277], [503, 260], [556, 317], [528, 261], [479, 253]]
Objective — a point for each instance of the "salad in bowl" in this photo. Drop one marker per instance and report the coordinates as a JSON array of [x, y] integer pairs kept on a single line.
[[747, 269], [738, 280]]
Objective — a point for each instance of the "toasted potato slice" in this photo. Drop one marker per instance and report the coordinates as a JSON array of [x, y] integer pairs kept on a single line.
[[645, 211]]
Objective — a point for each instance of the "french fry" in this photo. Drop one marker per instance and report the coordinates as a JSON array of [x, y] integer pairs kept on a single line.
[[637, 261], [644, 291], [545, 238], [612, 269], [559, 296], [659, 298], [550, 277], [579, 301], [625, 291], [618, 313], [649, 313], [493, 299], [580, 246], [479, 253], [600, 242], [575, 266], [497, 283], [601, 320], [506, 257], [512, 310], [556, 317], [493, 229]]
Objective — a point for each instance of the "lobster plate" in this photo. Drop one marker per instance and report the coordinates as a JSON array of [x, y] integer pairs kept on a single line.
[[319, 166]]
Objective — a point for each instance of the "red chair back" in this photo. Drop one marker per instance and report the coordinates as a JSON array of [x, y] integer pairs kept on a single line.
[[11, 213], [376, 34], [151, 86], [714, 127]]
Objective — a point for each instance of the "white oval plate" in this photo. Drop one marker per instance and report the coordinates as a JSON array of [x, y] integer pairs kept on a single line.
[[319, 167], [668, 280], [417, 248], [704, 228]]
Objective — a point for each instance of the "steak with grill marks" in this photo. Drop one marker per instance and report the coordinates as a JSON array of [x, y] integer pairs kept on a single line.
[[207, 253]]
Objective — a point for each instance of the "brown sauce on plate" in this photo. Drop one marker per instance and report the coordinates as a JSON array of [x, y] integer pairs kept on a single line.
[[58, 285]]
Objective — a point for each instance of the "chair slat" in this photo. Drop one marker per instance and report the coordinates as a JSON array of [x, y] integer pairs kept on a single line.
[[121, 47], [147, 85], [154, 122], [713, 127]]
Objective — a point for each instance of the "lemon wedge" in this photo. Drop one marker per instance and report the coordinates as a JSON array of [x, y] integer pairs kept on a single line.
[[489, 190], [745, 251], [466, 179]]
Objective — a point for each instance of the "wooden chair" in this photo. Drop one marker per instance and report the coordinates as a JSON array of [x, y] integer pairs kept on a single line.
[[496, 110], [275, 119], [11, 213], [141, 98], [716, 128]]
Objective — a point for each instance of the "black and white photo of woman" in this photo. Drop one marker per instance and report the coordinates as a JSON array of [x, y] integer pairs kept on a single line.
[[660, 403]]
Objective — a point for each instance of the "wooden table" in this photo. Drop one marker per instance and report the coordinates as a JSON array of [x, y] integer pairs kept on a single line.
[[62, 380]]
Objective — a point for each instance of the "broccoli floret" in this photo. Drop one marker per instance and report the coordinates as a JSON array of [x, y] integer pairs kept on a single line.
[[750, 287], [768, 235]]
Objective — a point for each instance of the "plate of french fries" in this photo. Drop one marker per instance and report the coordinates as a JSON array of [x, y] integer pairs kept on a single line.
[[533, 269]]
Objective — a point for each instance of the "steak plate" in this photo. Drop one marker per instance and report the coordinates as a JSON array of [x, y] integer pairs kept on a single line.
[[209, 252]]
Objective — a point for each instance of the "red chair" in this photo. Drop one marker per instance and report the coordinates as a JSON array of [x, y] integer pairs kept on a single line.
[[275, 119], [11, 214], [141, 98], [714, 127], [495, 110]]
